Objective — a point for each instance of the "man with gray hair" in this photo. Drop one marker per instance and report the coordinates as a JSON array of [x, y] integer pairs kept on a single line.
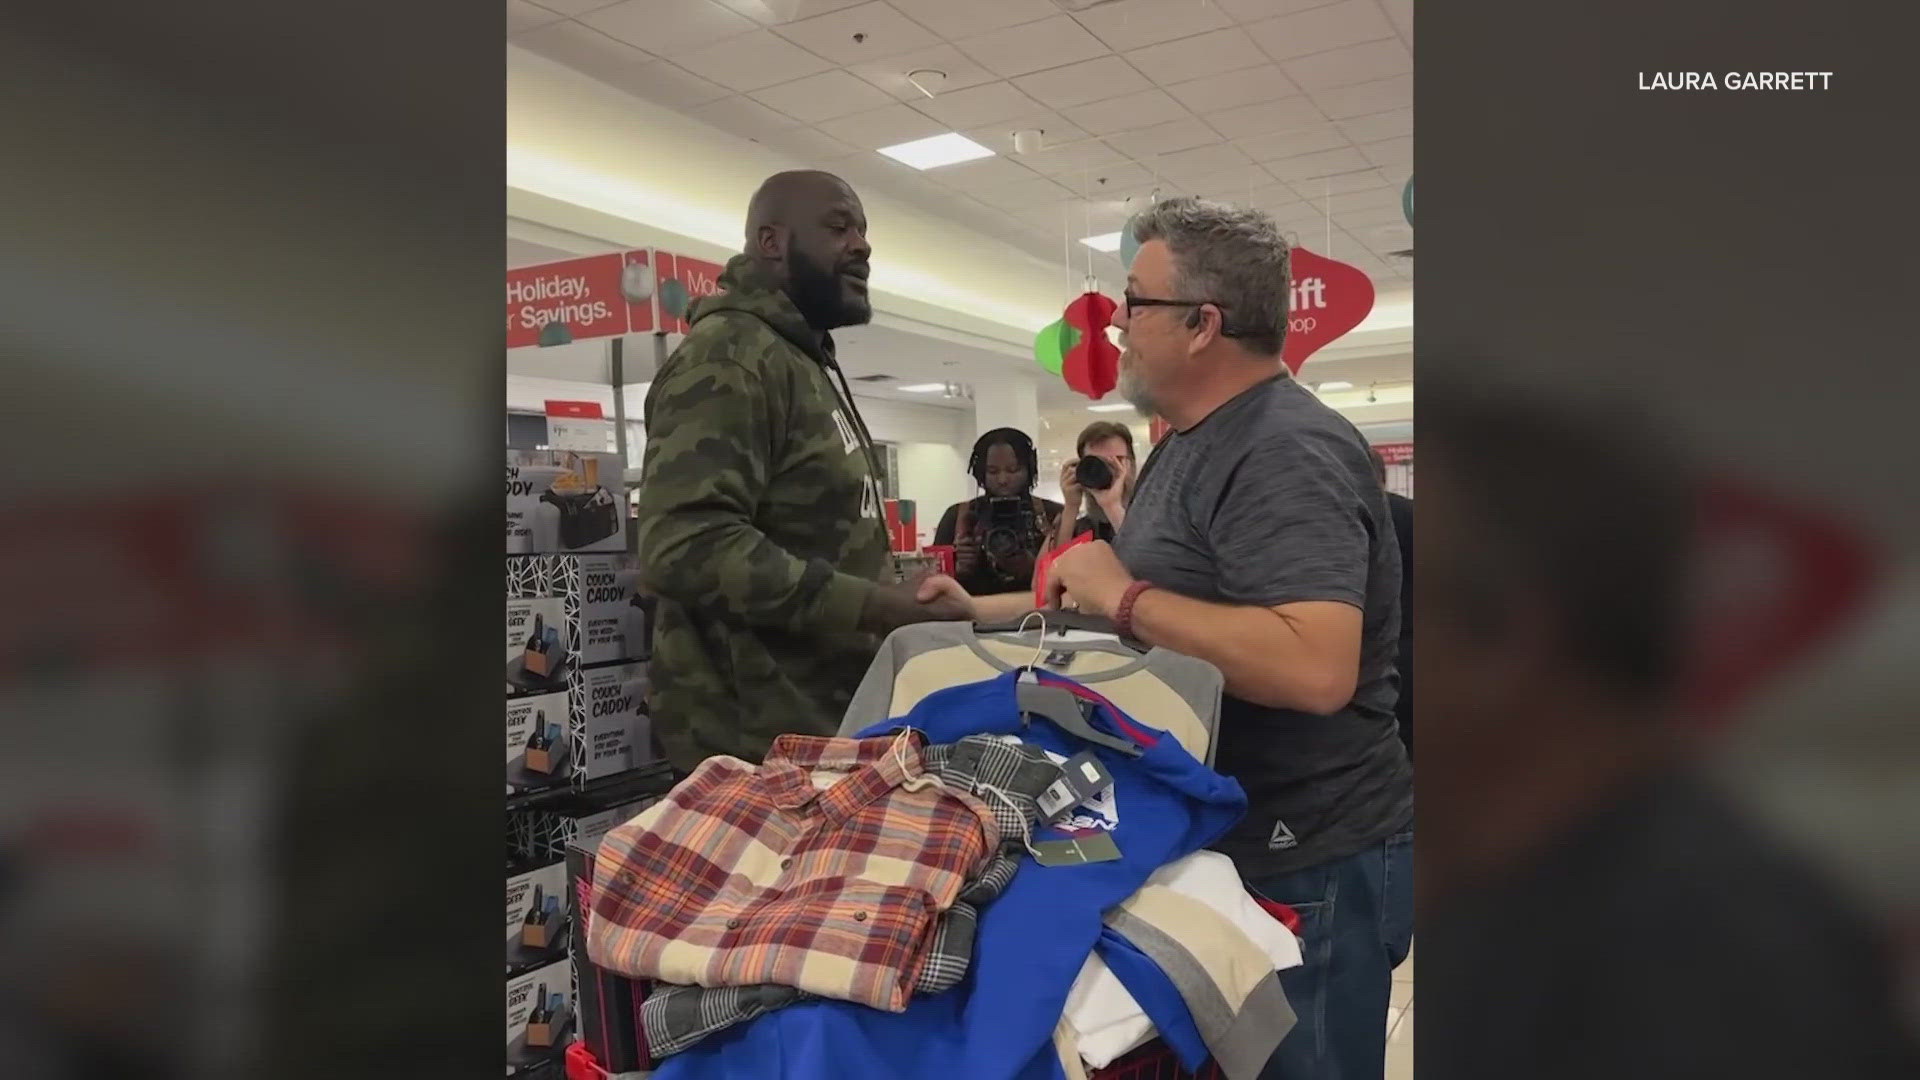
[[1259, 539]]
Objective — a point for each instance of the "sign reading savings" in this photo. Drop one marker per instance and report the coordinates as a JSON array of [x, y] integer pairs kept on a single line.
[[628, 292]]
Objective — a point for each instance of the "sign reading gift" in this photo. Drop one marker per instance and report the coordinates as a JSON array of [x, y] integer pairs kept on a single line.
[[1328, 299]]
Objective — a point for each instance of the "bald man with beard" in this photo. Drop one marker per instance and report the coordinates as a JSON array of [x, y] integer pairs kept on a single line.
[[760, 525]]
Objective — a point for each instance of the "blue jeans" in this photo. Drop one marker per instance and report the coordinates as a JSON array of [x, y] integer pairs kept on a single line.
[[1356, 926]]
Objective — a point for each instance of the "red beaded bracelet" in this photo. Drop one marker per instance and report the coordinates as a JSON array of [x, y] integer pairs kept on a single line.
[[1123, 615]]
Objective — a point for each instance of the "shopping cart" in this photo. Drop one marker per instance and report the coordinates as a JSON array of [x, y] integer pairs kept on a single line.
[[1154, 1061]]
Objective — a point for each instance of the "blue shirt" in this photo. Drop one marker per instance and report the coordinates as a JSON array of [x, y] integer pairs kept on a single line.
[[998, 1023]]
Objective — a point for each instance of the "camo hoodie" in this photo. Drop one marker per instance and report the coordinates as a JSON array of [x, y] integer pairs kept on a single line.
[[760, 529]]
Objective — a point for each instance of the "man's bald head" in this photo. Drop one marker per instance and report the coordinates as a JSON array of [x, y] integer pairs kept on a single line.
[[808, 231]]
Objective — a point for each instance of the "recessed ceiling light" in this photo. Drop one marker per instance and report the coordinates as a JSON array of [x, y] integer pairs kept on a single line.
[[924, 388], [1334, 386], [1107, 242], [1108, 408], [949, 149]]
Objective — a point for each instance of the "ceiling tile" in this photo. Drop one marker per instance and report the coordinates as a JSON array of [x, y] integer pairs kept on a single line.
[[1201, 162], [1031, 47], [983, 175], [1073, 161], [1351, 191], [1400, 12], [999, 137], [1287, 114], [1314, 166], [742, 116], [891, 73], [1275, 199], [1286, 144], [1130, 24], [955, 19], [1130, 113], [1109, 180], [775, 12], [666, 28], [574, 8], [1385, 125], [886, 126], [620, 65], [1353, 64], [1352, 220], [979, 106], [1234, 88], [752, 62], [1078, 84], [522, 17], [1256, 10], [1237, 185], [1198, 57], [810, 146], [1144, 146], [888, 33], [825, 96], [1365, 99], [1039, 191], [1319, 29], [1390, 152]]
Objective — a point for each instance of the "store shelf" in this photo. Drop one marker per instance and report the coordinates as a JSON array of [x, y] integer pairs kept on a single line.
[[596, 795]]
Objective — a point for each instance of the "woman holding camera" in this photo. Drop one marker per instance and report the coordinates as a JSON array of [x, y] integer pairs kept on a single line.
[[997, 537], [1097, 483]]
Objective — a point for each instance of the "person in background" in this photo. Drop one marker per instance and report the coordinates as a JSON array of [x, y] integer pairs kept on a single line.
[[1098, 510], [1259, 539], [1402, 508], [997, 537], [759, 517], [1595, 901]]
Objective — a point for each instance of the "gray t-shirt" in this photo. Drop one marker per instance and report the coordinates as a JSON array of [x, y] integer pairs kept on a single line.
[[1270, 500]]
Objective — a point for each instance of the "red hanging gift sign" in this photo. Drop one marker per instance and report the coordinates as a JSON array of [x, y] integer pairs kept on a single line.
[[1092, 366], [1329, 298]]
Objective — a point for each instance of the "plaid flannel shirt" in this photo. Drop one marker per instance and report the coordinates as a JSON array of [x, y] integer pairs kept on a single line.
[[1009, 778], [742, 876]]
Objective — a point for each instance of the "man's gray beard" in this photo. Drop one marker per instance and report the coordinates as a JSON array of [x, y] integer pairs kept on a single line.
[[1134, 389]]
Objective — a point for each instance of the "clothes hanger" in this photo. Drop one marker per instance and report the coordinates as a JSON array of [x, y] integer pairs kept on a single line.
[[1063, 621], [1058, 704]]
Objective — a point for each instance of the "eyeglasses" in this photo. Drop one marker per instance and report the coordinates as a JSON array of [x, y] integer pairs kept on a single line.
[[1131, 301]]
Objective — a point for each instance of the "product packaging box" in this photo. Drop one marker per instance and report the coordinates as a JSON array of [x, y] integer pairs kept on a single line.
[[609, 1003], [590, 829], [539, 917], [606, 619], [539, 741], [540, 1017], [564, 501], [539, 641], [596, 728]]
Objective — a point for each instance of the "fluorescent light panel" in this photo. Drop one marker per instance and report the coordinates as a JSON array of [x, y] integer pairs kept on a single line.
[[949, 149], [924, 388], [1107, 242], [1333, 386], [1108, 408]]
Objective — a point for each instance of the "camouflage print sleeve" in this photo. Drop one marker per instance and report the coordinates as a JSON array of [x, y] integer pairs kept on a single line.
[[709, 444]]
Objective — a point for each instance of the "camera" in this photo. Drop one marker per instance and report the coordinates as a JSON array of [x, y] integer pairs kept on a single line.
[[1009, 525], [1093, 473]]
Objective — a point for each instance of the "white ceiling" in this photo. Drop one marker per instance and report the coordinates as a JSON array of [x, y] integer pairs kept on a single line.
[[1300, 107]]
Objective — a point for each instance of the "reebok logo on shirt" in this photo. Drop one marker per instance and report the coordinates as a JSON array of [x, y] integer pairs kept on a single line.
[[1282, 837]]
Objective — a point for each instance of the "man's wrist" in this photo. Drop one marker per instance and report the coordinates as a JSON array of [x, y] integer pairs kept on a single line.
[[1124, 609]]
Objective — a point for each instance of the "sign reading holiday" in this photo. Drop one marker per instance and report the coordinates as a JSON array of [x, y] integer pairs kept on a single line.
[[1329, 298], [555, 303]]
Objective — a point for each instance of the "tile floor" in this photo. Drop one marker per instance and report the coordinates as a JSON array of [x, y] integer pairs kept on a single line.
[[1400, 1023]]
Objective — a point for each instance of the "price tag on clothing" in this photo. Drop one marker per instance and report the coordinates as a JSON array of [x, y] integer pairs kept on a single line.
[[1058, 660], [1099, 847], [1082, 778]]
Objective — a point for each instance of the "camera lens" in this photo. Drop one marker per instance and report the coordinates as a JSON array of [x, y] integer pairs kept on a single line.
[[1094, 473]]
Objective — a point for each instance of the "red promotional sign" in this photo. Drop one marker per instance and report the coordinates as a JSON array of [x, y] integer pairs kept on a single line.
[[582, 295], [1329, 298], [578, 410], [1395, 453], [642, 291], [683, 279]]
